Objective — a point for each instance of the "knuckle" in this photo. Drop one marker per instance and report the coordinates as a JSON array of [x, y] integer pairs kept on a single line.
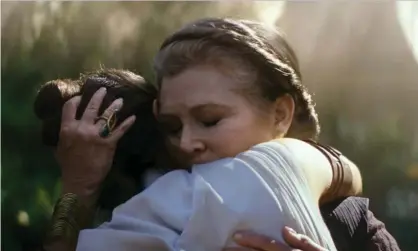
[[65, 130], [90, 136], [263, 242], [106, 113], [110, 113], [306, 241], [84, 134], [91, 107]]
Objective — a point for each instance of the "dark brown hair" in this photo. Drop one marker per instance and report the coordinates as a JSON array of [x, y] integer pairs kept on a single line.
[[136, 149], [261, 54]]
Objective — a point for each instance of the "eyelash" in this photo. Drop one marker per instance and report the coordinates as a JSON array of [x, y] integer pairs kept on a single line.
[[175, 131], [211, 123]]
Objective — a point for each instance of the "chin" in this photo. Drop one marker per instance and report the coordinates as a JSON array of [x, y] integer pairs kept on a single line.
[[203, 160], [199, 162]]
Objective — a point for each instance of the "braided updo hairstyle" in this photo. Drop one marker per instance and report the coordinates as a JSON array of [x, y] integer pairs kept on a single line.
[[255, 54], [136, 150]]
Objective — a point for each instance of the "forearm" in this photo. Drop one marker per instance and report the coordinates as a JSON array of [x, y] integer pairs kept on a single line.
[[73, 212], [379, 238]]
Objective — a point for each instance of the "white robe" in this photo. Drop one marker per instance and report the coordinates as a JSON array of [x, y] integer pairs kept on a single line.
[[262, 190]]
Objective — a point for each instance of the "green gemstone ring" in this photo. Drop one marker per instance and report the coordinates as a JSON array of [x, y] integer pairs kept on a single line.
[[109, 126]]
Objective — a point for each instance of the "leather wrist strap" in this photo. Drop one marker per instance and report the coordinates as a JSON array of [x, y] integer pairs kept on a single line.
[[341, 172]]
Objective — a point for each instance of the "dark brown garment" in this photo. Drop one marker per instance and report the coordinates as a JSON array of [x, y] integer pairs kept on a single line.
[[354, 227]]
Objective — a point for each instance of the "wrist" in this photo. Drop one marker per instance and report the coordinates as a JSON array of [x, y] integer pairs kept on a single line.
[[87, 195], [70, 216]]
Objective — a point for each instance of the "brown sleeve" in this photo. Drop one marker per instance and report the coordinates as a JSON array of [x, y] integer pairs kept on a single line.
[[379, 239]]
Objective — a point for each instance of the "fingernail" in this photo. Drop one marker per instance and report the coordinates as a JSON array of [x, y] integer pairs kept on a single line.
[[119, 101], [102, 89], [290, 230], [238, 236]]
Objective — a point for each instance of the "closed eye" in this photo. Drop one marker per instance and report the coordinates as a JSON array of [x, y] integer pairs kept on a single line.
[[211, 123], [173, 132]]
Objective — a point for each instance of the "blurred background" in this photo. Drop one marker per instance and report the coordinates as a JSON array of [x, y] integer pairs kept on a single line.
[[359, 58]]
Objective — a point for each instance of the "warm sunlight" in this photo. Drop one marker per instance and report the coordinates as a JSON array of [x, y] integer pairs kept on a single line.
[[269, 12], [408, 19]]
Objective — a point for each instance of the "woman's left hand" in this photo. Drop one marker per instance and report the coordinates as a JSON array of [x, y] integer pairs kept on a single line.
[[253, 241]]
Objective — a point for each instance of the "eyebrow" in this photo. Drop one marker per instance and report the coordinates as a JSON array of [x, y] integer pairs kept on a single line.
[[196, 109], [199, 108]]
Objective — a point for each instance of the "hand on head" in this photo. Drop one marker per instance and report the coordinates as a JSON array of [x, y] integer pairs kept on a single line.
[[85, 119], [86, 146]]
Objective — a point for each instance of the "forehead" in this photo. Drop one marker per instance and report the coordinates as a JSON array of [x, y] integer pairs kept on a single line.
[[199, 85]]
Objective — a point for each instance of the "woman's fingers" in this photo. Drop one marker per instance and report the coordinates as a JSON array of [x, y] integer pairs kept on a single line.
[[300, 241], [259, 242], [107, 121], [264, 243], [122, 128], [90, 114], [110, 114], [237, 249], [69, 110]]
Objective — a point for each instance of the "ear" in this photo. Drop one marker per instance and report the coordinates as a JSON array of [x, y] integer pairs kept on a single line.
[[285, 109], [155, 108]]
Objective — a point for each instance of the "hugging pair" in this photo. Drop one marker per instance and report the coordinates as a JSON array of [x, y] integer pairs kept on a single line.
[[232, 127]]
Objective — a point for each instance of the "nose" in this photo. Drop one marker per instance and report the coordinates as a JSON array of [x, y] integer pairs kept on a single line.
[[189, 143]]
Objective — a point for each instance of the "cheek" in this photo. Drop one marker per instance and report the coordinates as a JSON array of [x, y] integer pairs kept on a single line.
[[178, 158], [239, 134]]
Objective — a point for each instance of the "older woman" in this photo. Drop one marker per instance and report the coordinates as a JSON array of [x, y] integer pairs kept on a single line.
[[278, 103]]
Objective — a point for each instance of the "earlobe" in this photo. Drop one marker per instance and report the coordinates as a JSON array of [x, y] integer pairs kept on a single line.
[[285, 109], [155, 108]]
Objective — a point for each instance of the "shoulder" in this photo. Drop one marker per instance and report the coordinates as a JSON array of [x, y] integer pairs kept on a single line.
[[283, 145], [275, 150], [178, 178], [162, 192], [296, 156], [288, 149]]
